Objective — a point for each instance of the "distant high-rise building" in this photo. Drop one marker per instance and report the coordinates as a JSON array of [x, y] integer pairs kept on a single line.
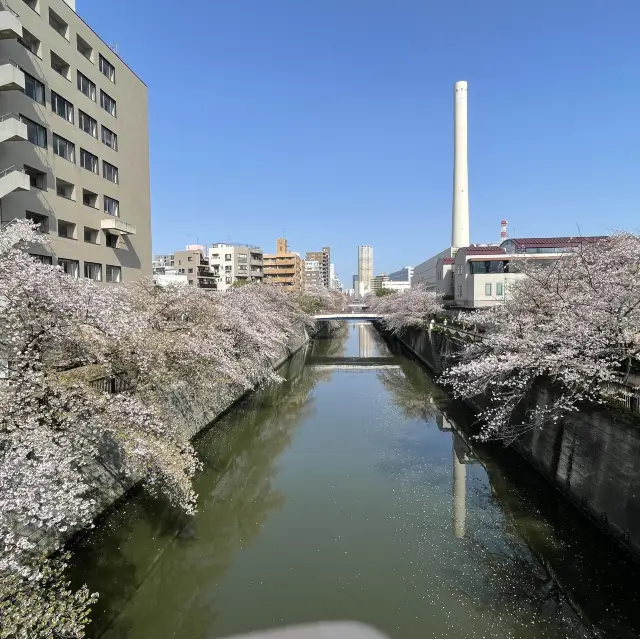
[[323, 257], [365, 269], [312, 273], [284, 268], [403, 275]]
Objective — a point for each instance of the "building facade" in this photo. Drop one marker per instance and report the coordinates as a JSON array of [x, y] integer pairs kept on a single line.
[[313, 273], [403, 275], [284, 268], [365, 269], [323, 258], [378, 281], [236, 264], [398, 287], [74, 144], [193, 263]]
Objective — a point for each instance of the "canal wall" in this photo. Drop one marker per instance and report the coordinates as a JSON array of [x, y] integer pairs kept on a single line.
[[592, 456], [105, 475]]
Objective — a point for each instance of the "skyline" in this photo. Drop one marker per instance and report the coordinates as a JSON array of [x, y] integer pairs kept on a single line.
[[341, 113]]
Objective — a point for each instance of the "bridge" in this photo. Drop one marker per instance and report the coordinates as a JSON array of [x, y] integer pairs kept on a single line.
[[348, 316]]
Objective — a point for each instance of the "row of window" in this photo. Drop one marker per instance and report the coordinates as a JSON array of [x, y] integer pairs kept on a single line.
[[68, 230], [37, 134], [92, 270], [62, 107], [60, 26]]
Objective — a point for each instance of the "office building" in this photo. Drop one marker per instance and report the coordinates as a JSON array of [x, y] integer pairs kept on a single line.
[[396, 287], [74, 147], [193, 263], [313, 273], [284, 267], [365, 269], [236, 263], [323, 257], [378, 280], [403, 275]]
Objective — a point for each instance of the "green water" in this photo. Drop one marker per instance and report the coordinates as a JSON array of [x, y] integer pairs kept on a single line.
[[348, 492]]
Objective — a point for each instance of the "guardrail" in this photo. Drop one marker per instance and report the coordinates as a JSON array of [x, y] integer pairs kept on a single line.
[[11, 169]]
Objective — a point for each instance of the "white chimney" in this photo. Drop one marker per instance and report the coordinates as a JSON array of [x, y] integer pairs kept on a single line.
[[460, 217]]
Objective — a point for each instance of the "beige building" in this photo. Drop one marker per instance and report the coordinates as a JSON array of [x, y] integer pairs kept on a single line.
[[74, 146], [365, 270], [236, 263], [193, 263], [312, 273], [284, 268]]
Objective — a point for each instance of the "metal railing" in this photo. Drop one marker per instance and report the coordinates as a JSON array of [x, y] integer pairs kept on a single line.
[[11, 169], [10, 116]]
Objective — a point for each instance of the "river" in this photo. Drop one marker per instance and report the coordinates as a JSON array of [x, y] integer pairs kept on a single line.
[[351, 491]]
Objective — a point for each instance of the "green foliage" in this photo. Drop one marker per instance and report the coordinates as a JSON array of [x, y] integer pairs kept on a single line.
[[383, 292]]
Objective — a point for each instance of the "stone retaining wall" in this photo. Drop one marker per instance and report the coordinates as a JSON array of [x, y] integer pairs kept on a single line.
[[592, 456]]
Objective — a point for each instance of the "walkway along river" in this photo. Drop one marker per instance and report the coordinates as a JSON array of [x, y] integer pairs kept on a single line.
[[351, 492]]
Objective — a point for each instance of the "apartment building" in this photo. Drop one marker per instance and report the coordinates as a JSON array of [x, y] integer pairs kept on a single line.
[[323, 258], [236, 263], [313, 273], [284, 267], [163, 261], [365, 269], [74, 147], [194, 263]]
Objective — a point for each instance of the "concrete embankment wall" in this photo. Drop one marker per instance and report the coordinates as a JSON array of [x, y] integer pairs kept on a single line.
[[105, 473], [592, 456]]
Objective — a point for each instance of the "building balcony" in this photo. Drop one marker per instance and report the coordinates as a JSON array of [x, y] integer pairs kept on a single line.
[[10, 25], [117, 226], [12, 128], [13, 179], [11, 76]]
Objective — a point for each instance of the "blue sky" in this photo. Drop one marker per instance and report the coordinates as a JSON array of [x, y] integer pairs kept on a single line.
[[331, 120]]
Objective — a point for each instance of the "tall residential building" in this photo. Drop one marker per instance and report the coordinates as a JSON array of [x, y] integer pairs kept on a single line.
[[312, 273], [236, 263], [403, 275], [323, 257], [74, 143], [365, 269], [284, 268], [194, 263]]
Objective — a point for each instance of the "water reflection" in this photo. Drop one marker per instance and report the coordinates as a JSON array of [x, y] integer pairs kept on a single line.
[[356, 494]]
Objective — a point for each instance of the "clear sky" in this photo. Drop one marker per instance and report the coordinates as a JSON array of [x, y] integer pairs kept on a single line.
[[331, 120]]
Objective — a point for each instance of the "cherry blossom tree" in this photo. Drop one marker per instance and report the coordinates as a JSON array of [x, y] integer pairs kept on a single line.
[[413, 308], [172, 343], [574, 325], [319, 299]]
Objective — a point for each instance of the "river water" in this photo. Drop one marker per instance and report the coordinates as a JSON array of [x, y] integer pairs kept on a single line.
[[351, 491]]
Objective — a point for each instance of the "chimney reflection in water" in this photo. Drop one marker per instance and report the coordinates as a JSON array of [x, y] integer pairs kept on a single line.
[[459, 477]]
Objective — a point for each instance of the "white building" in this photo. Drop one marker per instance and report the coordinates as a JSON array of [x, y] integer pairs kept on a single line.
[[313, 273], [399, 287], [425, 272], [365, 269], [163, 276], [231, 263], [403, 275]]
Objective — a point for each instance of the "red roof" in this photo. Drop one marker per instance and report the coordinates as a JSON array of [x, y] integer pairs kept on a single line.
[[446, 260], [482, 250], [553, 242]]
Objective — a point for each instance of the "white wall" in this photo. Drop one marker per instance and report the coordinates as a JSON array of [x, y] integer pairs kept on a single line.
[[425, 272]]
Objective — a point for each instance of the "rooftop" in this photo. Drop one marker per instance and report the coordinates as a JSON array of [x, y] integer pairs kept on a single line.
[[236, 244], [553, 242]]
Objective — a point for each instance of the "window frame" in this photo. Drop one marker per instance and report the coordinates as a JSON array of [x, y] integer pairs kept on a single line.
[[102, 62], [106, 166], [83, 154], [82, 50], [39, 128], [61, 23], [105, 96], [67, 224], [31, 39], [56, 137], [488, 289], [90, 264], [106, 200], [81, 78], [52, 53], [114, 269], [81, 116], [69, 262], [113, 147], [69, 108], [499, 289], [37, 84]]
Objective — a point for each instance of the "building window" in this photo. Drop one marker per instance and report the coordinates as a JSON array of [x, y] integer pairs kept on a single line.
[[84, 48], [487, 290], [111, 206], [32, 4], [109, 138], [189, 270], [41, 220], [89, 161], [109, 172], [86, 86], [107, 69], [65, 189], [37, 179], [33, 88], [107, 103], [113, 273], [58, 24], [64, 148], [87, 124], [30, 42], [36, 133], [111, 240], [43, 259], [59, 65], [93, 271], [90, 199], [62, 107], [91, 236], [227, 257], [66, 229], [499, 290], [70, 267]]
